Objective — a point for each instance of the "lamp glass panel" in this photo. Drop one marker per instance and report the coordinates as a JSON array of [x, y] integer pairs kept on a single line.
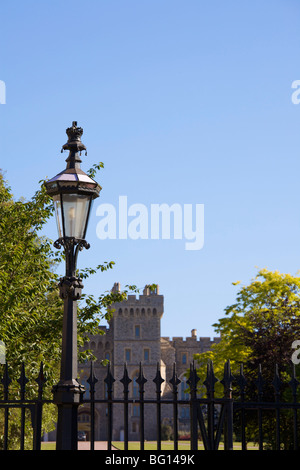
[[58, 215], [75, 210]]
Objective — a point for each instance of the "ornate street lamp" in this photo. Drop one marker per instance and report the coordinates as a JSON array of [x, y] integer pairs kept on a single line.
[[73, 192]]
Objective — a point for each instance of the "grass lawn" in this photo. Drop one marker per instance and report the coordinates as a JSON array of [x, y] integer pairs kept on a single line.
[[168, 445], [48, 445], [152, 445]]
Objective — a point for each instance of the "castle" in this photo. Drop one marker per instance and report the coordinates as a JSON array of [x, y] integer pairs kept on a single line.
[[133, 337]]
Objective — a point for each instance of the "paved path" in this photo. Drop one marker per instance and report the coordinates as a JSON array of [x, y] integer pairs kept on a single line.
[[86, 445], [99, 445]]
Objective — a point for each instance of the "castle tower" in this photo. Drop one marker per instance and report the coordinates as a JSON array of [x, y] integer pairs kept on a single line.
[[135, 327]]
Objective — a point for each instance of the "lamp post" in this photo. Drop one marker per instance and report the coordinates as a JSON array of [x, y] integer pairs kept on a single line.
[[73, 192]]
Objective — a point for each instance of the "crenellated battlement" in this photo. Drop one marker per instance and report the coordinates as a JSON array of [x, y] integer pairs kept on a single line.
[[148, 292], [150, 303], [177, 340]]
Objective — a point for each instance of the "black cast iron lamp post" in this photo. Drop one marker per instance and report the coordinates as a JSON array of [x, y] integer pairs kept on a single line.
[[72, 191]]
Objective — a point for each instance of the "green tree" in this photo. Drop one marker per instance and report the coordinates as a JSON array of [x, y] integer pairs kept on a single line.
[[259, 329]]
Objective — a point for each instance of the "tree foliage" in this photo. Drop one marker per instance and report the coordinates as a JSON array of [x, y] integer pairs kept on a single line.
[[259, 329], [261, 326]]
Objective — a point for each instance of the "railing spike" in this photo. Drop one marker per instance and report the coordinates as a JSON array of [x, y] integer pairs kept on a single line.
[[109, 380], [158, 380], [125, 379], [41, 380], [174, 381], [22, 381], [260, 382], [92, 379], [141, 380], [228, 378], [241, 381], [210, 378]]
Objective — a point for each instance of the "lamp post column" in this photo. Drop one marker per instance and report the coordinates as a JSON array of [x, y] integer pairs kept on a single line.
[[68, 392]]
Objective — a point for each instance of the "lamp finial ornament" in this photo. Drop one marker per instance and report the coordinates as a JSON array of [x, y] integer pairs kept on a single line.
[[74, 134]]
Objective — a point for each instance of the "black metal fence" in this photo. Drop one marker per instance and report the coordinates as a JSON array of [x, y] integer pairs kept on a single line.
[[271, 419], [17, 400]]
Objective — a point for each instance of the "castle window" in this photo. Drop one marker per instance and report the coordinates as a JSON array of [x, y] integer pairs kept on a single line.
[[154, 311], [84, 418], [183, 359], [135, 410], [184, 412], [86, 385], [184, 395], [107, 356], [146, 355], [135, 386], [127, 355], [137, 331]]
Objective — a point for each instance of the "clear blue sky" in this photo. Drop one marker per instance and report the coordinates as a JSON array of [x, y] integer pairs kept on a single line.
[[184, 102]]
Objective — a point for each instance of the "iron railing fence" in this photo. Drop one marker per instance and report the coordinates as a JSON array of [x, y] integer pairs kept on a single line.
[[202, 424], [17, 400], [211, 419]]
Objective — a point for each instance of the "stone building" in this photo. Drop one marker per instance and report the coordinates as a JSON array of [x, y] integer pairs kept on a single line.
[[133, 337]]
